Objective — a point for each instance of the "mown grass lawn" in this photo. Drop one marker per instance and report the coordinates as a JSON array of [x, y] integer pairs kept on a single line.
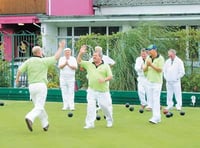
[[131, 129]]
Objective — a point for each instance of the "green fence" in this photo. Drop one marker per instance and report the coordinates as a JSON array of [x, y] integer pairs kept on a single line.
[[14, 50], [118, 97]]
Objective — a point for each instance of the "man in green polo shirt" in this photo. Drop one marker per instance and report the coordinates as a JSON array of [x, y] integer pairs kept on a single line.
[[154, 67], [99, 75], [36, 68]]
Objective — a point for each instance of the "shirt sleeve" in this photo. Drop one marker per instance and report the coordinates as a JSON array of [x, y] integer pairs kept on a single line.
[[74, 62], [23, 67], [109, 71], [84, 64], [49, 61], [165, 69], [181, 72], [108, 60], [138, 65], [161, 63], [60, 62]]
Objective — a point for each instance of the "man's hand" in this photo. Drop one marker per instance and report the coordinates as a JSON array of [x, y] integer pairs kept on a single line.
[[66, 62], [102, 80], [81, 52], [58, 53], [83, 49], [17, 78], [149, 63], [17, 82], [62, 44]]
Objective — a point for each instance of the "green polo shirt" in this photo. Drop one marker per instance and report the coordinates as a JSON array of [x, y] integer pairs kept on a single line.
[[96, 73], [152, 75], [37, 68]]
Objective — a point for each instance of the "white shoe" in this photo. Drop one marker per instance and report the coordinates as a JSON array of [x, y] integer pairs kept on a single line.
[[168, 108], [88, 126], [109, 124], [98, 108], [154, 121], [65, 108], [148, 108], [178, 108]]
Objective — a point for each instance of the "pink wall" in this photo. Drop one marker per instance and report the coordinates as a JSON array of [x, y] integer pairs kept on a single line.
[[70, 7], [7, 42], [18, 19]]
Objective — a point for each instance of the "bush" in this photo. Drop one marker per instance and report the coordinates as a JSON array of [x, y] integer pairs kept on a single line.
[[190, 83], [5, 74], [53, 77]]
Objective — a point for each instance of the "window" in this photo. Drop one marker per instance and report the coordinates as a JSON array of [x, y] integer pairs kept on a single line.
[[62, 31], [98, 30], [69, 31], [72, 34], [78, 31], [112, 30]]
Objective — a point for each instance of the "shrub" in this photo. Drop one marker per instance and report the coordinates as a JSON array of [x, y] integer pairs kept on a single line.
[[53, 77], [5, 74]]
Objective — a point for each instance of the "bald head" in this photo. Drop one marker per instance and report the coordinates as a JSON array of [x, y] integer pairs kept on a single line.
[[37, 51]]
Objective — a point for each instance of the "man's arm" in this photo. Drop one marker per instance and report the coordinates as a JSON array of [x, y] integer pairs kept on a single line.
[[58, 53], [181, 70], [81, 52], [158, 69], [73, 67], [138, 65], [67, 64], [17, 77], [108, 78], [108, 60], [61, 66], [145, 66]]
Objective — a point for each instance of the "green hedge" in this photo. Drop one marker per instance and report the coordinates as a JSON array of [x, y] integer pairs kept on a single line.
[[118, 97]]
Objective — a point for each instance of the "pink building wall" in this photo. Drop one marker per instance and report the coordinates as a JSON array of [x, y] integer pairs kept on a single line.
[[7, 40], [18, 19], [53, 8], [7, 43], [69, 7]]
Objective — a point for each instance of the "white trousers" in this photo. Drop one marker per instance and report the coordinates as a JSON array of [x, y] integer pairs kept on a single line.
[[154, 94], [38, 94], [67, 90], [105, 103], [142, 90], [174, 88], [149, 94]]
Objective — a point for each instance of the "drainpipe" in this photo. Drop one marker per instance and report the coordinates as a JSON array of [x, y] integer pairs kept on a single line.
[[107, 44], [49, 6]]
